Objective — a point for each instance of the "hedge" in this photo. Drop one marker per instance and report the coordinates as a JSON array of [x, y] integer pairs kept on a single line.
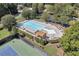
[[41, 41], [25, 34]]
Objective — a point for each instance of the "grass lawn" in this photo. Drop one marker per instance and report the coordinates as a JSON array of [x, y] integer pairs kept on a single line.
[[4, 33], [50, 50]]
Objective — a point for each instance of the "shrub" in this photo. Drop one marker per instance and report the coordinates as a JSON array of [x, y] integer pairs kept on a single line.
[[26, 13], [1, 26], [41, 41], [25, 34]]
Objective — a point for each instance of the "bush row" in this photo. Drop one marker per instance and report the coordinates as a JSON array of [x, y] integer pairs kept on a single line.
[[25, 34], [41, 41]]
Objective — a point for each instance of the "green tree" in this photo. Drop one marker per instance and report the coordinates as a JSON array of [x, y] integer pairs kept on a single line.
[[12, 8], [26, 13], [27, 4], [72, 22], [45, 16], [49, 7], [32, 14], [8, 9], [3, 10], [61, 12], [70, 40], [14, 30], [40, 7], [35, 9], [8, 21]]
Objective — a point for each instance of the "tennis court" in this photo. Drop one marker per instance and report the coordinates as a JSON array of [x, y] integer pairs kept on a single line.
[[18, 47], [7, 51]]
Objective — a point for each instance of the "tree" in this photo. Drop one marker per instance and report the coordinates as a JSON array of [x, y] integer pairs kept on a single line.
[[61, 12], [72, 22], [45, 16], [40, 7], [70, 40], [3, 10], [14, 30], [26, 13], [49, 7], [8, 21], [35, 9], [12, 8], [27, 4], [32, 14], [7, 9]]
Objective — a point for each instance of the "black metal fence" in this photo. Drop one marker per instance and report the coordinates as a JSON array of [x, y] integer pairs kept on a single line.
[[6, 39]]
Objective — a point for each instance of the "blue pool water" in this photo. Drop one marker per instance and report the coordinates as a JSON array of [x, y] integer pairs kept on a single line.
[[33, 25], [7, 51]]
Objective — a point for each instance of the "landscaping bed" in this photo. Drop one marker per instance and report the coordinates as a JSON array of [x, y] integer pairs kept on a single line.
[[25, 34]]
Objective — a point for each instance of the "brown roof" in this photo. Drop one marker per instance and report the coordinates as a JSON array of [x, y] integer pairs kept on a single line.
[[41, 34]]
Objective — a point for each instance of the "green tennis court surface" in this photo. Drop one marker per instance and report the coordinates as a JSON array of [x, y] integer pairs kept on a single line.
[[21, 48]]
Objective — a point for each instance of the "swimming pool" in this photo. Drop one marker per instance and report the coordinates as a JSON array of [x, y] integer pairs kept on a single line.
[[31, 24]]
